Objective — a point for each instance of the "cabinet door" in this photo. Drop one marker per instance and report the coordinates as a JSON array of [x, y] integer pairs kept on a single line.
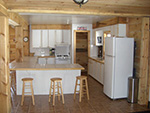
[[50, 60], [102, 74], [58, 36], [36, 38], [89, 67], [51, 36], [98, 72], [44, 38], [94, 69], [41, 60], [121, 29], [66, 36]]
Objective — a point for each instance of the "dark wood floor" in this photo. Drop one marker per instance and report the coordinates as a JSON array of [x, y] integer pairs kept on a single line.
[[98, 103]]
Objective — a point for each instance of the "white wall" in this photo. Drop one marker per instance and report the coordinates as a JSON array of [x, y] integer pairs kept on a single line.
[[74, 27]]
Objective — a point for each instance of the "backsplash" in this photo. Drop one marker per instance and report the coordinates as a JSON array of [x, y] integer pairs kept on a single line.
[[42, 52]]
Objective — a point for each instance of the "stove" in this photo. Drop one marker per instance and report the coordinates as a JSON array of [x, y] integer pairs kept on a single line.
[[62, 54]]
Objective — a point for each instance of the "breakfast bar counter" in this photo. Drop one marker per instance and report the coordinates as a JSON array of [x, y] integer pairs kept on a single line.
[[42, 73]]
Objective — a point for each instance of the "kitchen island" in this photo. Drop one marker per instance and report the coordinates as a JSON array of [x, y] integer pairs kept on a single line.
[[42, 73]]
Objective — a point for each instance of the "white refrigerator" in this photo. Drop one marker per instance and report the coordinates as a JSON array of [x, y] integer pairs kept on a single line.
[[119, 53]]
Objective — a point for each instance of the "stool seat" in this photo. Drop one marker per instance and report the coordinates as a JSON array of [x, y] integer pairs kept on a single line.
[[56, 79], [81, 77], [27, 79], [56, 83]]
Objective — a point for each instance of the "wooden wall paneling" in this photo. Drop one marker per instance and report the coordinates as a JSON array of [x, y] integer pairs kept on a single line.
[[3, 9], [51, 26], [5, 101], [19, 43], [18, 19], [112, 21], [143, 81], [26, 44], [12, 42]]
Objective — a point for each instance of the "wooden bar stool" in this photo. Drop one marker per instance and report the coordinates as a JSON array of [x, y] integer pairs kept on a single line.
[[54, 86], [27, 80], [83, 87]]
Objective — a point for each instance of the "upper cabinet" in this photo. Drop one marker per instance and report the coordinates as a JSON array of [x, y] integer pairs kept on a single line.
[[36, 38], [52, 38], [44, 38], [48, 38], [58, 36]]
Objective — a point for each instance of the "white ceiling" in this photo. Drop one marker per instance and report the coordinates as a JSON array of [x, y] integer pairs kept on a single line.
[[62, 18]]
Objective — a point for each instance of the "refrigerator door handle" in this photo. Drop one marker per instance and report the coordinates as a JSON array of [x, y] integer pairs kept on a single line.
[[110, 56]]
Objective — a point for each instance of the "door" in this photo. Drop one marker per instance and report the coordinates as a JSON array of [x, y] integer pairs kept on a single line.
[[110, 46], [109, 76], [81, 49]]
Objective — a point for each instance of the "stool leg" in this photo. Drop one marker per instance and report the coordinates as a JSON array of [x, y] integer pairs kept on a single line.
[[50, 91], [80, 95], [62, 92], [87, 91], [53, 93], [32, 93], [75, 89], [22, 100], [58, 91]]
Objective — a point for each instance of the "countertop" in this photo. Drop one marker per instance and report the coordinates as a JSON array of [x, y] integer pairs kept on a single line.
[[97, 59], [30, 63]]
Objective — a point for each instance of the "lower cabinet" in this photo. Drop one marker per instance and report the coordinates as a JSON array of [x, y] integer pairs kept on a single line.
[[96, 70], [46, 60]]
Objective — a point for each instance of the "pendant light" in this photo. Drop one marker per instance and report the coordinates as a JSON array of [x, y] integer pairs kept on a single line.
[[80, 2]]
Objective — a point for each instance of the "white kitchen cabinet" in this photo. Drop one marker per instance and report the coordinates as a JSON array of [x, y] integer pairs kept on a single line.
[[102, 74], [36, 38], [66, 36], [52, 34], [44, 41], [96, 70], [118, 30], [58, 37], [50, 60], [42, 60]]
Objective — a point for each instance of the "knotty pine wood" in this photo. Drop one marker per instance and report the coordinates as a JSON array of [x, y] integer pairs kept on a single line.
[[5, 101], [18, 19], [51, 26], [108, 22], [94, 7], [138, 29], [12, 42], [143, 82], [19, 43]]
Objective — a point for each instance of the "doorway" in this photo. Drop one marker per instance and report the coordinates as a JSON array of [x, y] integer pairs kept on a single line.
[[82, 49]]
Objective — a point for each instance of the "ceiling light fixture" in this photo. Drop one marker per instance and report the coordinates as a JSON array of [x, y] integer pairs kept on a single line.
[[80, 2]]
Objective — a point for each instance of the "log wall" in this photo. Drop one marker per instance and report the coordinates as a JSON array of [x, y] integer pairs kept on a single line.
[[139, 29], [19, 43], [12, 42], [5, 104]]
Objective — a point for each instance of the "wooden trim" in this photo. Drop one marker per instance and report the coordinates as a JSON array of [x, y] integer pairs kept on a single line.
[[75, 31], [50, 26]]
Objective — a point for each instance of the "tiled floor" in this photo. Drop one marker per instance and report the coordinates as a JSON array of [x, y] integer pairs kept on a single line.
[[98, 103]]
